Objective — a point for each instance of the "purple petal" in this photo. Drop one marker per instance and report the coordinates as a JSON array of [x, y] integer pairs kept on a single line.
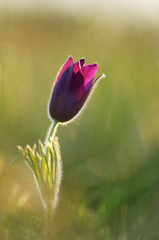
[[67, 64], [76, 91], [77, 85], [92, 82], [89, 72], [77, 105], [89, 84], [76, 67], [82, 61], [60, 94]]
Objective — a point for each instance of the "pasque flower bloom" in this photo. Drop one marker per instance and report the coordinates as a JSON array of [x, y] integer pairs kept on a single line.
[[72, 88]]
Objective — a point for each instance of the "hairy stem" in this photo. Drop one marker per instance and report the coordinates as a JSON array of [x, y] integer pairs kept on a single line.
[[51, 133], [49, 222], [49, 204]]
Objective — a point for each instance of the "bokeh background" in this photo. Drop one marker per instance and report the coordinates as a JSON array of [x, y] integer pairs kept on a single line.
[[110, 186]]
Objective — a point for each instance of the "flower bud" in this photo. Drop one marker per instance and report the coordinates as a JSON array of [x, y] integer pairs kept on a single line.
[[72, 88]]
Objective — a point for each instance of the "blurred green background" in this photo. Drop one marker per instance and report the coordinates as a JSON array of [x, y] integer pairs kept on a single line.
[[110, 186]]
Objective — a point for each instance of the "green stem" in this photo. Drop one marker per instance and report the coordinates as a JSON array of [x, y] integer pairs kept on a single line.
[[49, 222], [49, 204], [50, 134], [52, 129]]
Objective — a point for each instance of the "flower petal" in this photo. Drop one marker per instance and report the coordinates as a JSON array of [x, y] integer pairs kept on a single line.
[[67, 64], [89, 72], [89, 84], [76, 67], [60, 94], [82, 61], [77, 105], [92, 82], [77, 85], [70, 98]]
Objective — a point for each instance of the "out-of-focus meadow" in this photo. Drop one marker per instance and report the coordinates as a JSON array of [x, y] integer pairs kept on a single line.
[[110, 186]]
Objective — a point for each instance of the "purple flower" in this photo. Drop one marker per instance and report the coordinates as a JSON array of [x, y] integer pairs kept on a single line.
[[72, 88]]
